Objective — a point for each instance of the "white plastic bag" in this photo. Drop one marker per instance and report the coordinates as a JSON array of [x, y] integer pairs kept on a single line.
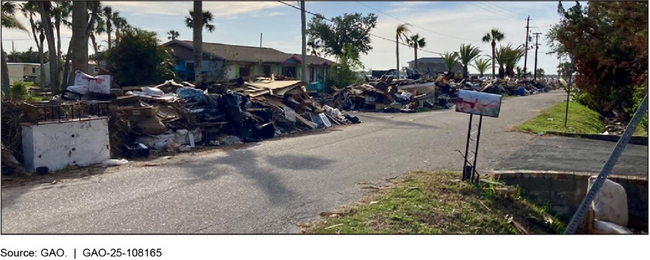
[[610, 204], [154, 92], [114, 162]]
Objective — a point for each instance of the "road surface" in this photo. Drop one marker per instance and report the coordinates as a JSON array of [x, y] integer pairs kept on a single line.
[[271, 186]]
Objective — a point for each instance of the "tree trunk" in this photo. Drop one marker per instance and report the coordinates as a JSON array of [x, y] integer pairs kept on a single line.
[[415, 52], [109, 29], [57, 27], [197, 39], [94, 41], [6, 87], [117, 35], [494, 44], [41, 59], [79, 41], [397, 56], [88, 33], [68, 79], [51, 46]]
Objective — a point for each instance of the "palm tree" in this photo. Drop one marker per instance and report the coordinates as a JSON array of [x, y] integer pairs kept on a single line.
[[99, 26], [79, 42], [450, 60], [416, 42], [467, 53], [120, 24], [507, 57], [29, 10], [314, 45], [481, 65], [512, 58], [173, 34], [109, 19], [207, 18], [198, 21], [493, 36], [400, 36], [60, 13], [9, 21], [45, 9]]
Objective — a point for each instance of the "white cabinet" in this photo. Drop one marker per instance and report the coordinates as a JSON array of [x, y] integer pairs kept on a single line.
[[58, 144]]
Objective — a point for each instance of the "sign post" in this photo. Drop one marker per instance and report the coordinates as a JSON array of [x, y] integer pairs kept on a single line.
[[476, 103]]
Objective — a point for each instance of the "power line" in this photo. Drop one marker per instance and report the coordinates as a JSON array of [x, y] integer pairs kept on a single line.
[[494, 11], [506, 10], [414, 25], [380, 37]]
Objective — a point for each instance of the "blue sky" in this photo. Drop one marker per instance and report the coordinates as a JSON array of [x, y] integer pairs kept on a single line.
[[444, 25]]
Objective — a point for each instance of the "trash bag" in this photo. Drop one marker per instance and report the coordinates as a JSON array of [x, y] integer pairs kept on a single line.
[[114, 162], [234, 103], [353, 119], [191, 93]]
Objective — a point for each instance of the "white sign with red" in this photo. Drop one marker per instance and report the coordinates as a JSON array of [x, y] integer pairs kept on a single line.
[[478, 103], [96, 84]]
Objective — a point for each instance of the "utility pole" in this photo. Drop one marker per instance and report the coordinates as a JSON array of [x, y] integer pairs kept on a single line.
[[526, 53], [536, 48], [304, 73]]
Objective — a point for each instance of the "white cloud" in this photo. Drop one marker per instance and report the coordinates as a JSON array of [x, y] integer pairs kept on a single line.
[[221, 10], [274, 14], [467, 22]]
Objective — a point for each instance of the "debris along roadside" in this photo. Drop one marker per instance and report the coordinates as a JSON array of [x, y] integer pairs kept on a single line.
[[173, 117], [411, 95]]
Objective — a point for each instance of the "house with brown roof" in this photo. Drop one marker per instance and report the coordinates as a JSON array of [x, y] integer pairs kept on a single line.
[[225, 61]]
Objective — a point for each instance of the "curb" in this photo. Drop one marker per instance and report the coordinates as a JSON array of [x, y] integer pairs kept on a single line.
[[640, 140], [540, 174]]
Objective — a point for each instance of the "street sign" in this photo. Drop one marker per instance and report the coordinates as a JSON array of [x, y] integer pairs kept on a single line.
[[478, 103]]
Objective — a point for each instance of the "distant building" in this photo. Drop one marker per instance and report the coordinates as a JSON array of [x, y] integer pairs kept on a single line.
[[224, 61], [22, 71], [433, 66]]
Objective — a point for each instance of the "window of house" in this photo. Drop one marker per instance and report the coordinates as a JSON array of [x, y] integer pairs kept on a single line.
[[289, 71], [244, 71], [312, 74], [33, 70], [267, 70]]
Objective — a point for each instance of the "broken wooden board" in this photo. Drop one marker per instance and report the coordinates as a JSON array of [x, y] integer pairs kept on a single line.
[[273, 85]]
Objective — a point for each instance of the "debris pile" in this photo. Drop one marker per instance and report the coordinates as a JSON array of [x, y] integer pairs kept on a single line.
[[177, 117], [389, 95]]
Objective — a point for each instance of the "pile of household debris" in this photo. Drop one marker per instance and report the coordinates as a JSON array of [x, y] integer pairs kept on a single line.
[[386, 94], [508, 86], [389, 95], [173, 117]]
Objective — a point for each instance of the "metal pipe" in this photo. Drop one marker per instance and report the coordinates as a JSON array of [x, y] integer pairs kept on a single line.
[[469, 133], [566, 114], [478, 139]]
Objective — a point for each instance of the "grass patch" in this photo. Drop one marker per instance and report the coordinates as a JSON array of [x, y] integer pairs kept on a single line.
[[423, 202], [582, 120], [640, 131]]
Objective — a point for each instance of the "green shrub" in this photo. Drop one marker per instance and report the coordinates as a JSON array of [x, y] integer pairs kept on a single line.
[[639, 93], [19, 90], [140, 60]]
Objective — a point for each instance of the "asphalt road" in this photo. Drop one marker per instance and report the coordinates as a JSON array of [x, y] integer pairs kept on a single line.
[[269, 187]]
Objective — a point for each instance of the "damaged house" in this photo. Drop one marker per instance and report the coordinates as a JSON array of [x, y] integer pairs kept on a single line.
[[224, 61]]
